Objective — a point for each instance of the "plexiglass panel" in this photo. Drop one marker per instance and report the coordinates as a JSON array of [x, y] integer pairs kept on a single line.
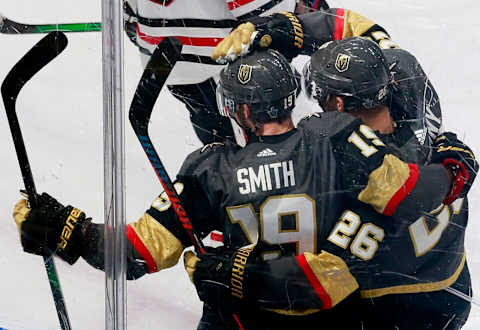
[[61, 115]]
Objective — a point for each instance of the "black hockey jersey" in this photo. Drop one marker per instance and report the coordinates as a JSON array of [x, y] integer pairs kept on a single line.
[[405, 253], [286, 193], [428, 247]]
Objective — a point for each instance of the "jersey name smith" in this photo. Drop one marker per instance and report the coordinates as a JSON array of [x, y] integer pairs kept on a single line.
[[266, 177]]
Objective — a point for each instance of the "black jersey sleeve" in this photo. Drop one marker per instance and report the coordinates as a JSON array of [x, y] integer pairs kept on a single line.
[[93, 253], [154, 242], [368, 170], [338, 23], [158, 236], [304, 283]]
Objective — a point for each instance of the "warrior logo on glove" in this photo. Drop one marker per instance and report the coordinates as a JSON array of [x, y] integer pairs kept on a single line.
[[238, 269]]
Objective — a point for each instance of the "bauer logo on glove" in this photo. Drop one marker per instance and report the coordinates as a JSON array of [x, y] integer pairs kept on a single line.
[[50, 227], [68, 228]]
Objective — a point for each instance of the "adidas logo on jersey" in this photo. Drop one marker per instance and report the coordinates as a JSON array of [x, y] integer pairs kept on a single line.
[[266, 152]]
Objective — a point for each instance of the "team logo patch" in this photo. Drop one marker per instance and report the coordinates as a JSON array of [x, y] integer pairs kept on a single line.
[[245, 73], [342, 62]]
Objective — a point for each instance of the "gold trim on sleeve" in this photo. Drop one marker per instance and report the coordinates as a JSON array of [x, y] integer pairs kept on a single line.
[[355, 24], [164, 247], [333, 274], [415, 288], [384, 182]]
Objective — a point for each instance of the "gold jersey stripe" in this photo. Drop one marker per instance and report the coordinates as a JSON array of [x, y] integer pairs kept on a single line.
[[384, 182], [355, 24], [415, 288], [293, 312], [333, 274], [164, 247]]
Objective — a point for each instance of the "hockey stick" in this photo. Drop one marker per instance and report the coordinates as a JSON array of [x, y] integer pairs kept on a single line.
[[153, 79], [154, 76], [8, 26], [36, 58]]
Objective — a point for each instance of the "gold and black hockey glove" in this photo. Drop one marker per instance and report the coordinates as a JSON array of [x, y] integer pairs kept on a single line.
[[460, 162], [281, 31], [221, 277], [51, 228]]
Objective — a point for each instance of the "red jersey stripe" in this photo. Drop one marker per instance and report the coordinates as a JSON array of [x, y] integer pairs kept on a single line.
[[216, 237], [163, 2], [189, 41], [141, 248], [339, 24], [314, 281], [238, 3], [403, 191]]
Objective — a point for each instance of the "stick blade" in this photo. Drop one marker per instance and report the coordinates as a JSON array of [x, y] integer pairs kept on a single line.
[[153, 79], [33, 61]]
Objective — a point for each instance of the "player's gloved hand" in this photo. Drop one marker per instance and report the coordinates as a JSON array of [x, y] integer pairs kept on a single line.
[[130, 22], [460, 161], [281, 31], [51, 227], [221, 276]]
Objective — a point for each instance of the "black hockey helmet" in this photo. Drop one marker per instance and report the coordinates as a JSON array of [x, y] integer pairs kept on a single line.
[[354, 68], [263, 79]]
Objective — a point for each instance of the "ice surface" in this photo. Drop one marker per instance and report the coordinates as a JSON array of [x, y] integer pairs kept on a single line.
[[60, 112]]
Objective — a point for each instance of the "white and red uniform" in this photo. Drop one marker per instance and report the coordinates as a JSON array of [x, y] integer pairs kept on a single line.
[[200, 25]]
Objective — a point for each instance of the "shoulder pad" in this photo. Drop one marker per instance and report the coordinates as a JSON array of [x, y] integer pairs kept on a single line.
[[329, 123], [211, 146], [204, 156]]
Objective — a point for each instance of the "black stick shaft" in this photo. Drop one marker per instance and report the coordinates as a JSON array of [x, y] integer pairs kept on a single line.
[[40, 55]]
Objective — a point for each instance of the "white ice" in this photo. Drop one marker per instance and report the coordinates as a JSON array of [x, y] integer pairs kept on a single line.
[[60, 112]]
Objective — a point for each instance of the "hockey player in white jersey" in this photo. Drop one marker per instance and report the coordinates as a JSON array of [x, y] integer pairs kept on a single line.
[[200, 26]]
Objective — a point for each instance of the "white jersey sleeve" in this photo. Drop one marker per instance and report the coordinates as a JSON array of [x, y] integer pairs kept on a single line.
[[200, 25]]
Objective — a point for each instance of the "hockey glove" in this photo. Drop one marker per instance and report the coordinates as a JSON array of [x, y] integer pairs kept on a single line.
[[460, 162], [282, 32], [221, 277], [51, 227]]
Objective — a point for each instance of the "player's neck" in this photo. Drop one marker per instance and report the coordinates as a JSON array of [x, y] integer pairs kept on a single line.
[[378, 119], [275, 128]]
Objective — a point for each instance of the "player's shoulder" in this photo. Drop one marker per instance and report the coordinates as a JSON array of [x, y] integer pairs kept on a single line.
[[207, 151], [207, 155], [326, 124], [400, 59]]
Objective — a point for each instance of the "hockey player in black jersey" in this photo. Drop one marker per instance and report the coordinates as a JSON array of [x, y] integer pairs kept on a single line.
[[427, 285], [422, 254], [284, 191]]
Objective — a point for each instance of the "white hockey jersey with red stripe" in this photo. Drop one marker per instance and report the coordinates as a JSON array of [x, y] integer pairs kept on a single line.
[[200, 25]]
